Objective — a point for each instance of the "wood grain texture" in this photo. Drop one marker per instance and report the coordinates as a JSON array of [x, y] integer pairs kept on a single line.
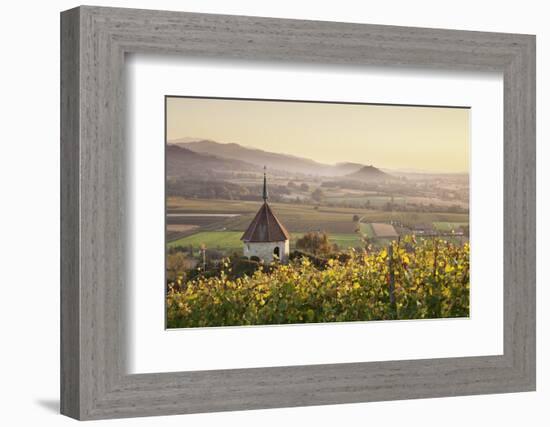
[[95, 40], [70, 297]]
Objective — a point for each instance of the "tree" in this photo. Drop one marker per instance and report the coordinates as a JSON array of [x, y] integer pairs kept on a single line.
[[314, 242], [317, 195], [177, 265]]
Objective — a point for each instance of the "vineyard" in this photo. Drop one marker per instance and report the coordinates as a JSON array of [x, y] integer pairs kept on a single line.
[[407, 280]]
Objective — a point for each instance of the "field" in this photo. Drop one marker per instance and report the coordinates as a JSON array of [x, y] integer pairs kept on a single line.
[[366, 229], [219, 224], [229, 241], [360, 200], [383, 230], [302, 217], [296, 218]]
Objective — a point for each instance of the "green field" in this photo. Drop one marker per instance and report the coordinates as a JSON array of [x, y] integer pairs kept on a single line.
[[225, 240], [352, 240], [230, 240], [366, 229]]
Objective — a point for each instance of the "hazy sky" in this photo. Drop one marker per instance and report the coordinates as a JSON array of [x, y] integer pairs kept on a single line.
[[397, 137]]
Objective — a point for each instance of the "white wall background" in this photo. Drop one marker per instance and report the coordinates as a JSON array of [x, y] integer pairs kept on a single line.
[[29, 214]]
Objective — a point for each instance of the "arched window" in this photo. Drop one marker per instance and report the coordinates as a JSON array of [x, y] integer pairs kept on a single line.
[[276, 252]]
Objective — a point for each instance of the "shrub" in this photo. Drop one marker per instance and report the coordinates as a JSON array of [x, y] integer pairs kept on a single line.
[[315, 243]]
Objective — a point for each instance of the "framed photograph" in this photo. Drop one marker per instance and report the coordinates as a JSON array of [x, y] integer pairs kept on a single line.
[[329, 237], [262, 213]]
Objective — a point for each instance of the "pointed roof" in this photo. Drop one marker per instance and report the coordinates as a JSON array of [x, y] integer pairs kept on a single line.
[[265, 227]]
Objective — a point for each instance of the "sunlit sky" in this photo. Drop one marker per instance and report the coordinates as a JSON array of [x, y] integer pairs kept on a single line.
[[386, 136]]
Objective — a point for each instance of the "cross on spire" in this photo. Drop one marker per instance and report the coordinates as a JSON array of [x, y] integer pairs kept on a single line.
[[264, 196]]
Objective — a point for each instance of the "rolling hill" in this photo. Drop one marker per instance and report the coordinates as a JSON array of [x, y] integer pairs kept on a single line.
[[181, 161], [368, 174], [341, 169], [274, 161]]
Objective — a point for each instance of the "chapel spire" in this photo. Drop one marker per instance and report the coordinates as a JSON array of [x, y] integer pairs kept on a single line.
[[264, 196], [266, 238]]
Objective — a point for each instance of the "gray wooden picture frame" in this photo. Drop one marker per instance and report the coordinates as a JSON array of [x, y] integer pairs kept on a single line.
[[94, 41]]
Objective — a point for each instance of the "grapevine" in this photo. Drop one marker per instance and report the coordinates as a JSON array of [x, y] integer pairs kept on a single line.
[[428, 279]]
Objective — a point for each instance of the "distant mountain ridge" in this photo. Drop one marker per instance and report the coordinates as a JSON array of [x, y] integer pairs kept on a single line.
[[274, 161], [181, 161]]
